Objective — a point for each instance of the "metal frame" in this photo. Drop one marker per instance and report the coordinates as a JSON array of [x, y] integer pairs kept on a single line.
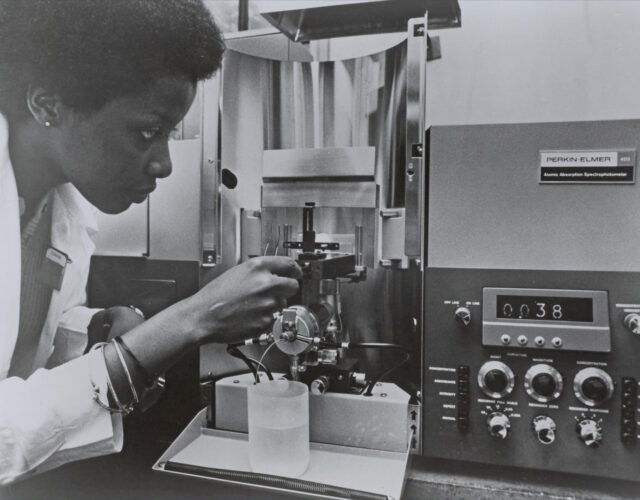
[[415, 147], [211, 223]]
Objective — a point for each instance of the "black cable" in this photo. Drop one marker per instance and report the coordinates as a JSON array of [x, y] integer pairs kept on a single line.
[[237, 353], [372, 384], [365, 345], [253, 364], [367, 391], [263, 366], [375, 345]]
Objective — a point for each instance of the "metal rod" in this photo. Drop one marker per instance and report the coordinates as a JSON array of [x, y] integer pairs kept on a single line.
[[286, 236], [358, 246]]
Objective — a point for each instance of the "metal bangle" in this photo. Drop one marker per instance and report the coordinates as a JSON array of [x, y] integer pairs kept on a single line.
[[151, 378], [136, 400], [96, 389], [97, 345], [123, 409], [96, 398]]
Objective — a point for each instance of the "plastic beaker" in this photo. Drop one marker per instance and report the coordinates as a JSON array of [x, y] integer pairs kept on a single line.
[[278, 413]]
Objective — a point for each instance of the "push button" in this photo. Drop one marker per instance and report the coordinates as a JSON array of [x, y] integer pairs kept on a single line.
[[463, 401], [629, 403]]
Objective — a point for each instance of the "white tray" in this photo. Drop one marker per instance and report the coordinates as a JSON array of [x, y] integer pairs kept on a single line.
[[336, 472]]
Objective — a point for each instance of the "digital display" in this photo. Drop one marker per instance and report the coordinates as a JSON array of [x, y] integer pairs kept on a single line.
[[545, 308]]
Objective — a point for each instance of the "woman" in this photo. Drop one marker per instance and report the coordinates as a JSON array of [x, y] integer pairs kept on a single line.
[[89, 92]]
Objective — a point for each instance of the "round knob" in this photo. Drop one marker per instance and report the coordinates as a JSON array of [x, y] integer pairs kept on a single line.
[[593, 386], [632, 322], [545, 429], [463, 316], [320, 385], [590, 432], [498, 424], [543, 383], [496, 379]]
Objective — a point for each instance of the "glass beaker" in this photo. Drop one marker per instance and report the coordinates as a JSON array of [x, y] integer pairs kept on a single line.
[[278, 413]]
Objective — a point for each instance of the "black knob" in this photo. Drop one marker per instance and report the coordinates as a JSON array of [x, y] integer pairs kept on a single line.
[[496, 380], [544, 384], [595, 389]]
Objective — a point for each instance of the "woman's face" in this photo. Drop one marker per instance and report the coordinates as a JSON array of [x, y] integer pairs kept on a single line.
[[114, 156]]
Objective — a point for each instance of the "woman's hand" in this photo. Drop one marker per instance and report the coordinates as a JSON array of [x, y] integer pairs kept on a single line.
[[240, 303], [237, 305]]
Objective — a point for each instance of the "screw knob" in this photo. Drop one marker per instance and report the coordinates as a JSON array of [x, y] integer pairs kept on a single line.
[[632, 322], [545, 429], [320, 385]]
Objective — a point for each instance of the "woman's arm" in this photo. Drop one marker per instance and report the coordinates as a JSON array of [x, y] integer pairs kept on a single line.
[[237, 305], [52, 418]]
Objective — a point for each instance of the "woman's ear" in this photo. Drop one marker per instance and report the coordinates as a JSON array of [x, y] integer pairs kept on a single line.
[[45, 106]]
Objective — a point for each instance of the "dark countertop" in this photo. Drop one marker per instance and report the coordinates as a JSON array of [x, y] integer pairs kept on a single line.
[[128, 475]]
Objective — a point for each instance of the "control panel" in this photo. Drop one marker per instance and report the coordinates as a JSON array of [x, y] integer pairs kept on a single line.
[[534, 369]]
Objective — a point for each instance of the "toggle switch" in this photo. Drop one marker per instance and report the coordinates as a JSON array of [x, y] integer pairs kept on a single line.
[[463, 316]]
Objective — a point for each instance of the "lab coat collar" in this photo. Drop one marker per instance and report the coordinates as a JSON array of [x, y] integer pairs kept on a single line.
[[76, 207]]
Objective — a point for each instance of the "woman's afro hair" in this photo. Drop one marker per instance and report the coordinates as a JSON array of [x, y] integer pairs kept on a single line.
[[90, 51]]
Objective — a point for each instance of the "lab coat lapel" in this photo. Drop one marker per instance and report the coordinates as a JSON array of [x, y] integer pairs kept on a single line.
[[9, 255], [73, 222]]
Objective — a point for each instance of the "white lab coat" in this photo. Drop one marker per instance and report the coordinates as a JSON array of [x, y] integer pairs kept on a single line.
[[50, 418]]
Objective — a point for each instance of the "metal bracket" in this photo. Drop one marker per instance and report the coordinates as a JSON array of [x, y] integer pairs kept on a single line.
[[250, 233], [289, 318], [392, 235], [209, 258], [297, 245]]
